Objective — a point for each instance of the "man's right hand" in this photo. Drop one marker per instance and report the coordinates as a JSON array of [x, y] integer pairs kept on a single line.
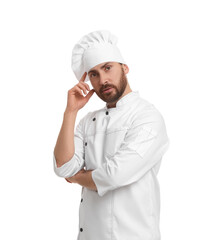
[[76, 100]]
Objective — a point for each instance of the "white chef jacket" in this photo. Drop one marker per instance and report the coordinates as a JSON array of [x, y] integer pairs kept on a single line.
[[124, 146]]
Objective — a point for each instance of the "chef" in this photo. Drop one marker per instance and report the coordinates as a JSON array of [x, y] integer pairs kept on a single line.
[[116, 151]]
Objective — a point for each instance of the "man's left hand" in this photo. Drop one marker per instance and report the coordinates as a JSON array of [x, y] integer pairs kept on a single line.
[[73, 179], [83, 178]]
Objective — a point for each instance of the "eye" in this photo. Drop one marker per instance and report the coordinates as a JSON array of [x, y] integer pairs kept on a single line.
[[91, 75], [108, 67]]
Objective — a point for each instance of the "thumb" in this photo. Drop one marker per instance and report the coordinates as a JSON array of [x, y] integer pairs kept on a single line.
[[88, 96]]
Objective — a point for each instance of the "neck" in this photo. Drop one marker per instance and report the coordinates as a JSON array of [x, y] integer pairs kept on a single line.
[[127, 90]]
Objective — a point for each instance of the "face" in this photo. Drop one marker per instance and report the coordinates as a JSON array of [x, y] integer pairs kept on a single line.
[[109, 75]]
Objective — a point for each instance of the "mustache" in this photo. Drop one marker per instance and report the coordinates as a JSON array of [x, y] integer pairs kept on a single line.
[[103, 89]]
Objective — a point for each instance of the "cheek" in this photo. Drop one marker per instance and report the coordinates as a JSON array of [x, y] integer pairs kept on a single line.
[[115, 75], [93, 85], [115, 79]]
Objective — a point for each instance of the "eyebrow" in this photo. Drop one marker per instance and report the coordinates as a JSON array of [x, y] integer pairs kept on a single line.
[[100, 67]]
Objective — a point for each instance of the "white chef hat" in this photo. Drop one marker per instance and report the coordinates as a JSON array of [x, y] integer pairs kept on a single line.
[[92, 49]]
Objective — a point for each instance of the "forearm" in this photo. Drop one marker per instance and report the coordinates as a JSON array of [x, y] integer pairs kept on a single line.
[[64, 149], [83, 178]]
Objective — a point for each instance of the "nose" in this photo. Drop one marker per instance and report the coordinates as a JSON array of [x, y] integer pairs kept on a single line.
[[103, 78]]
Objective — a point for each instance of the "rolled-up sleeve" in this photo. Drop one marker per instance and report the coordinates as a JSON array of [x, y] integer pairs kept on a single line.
[[142, 148], [77, 162]]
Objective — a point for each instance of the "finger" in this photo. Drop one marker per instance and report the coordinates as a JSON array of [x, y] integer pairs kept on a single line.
[[75, 89], [79, 90], [83, 83], [83, 77], [88, 96], [86, 85], [83, 87]]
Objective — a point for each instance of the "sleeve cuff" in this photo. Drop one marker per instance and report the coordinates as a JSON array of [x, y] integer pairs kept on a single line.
[[69, 168], [97, 178]]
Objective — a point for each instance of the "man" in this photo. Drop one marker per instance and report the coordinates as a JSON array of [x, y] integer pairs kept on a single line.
[[121, 146]]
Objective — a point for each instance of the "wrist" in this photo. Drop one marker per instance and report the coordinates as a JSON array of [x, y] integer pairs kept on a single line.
[[68, 112]]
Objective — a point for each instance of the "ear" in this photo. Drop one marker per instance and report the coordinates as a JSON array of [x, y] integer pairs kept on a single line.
[[126, 68]]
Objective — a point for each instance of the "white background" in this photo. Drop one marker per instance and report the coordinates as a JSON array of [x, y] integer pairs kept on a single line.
[[172, 50]]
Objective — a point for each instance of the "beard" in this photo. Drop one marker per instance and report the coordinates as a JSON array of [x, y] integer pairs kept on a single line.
[[116, 92]]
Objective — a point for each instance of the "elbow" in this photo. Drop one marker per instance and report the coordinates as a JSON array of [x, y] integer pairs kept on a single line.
[[69, 168]]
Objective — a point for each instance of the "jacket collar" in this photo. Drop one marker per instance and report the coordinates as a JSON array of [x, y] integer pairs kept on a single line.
[[128, 98]]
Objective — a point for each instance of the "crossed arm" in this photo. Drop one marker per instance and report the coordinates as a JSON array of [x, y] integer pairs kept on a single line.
[[143, 148], [83, 178]]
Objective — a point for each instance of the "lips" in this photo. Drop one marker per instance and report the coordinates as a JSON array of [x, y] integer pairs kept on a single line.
[[106, 89]]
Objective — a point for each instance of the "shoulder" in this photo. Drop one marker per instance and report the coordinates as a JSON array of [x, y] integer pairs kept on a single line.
[[148, 115]]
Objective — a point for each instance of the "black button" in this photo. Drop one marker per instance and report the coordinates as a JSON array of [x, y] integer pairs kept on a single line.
[[86, 143], [93, 119], [81, 229], [106, 112], [81, 199]]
